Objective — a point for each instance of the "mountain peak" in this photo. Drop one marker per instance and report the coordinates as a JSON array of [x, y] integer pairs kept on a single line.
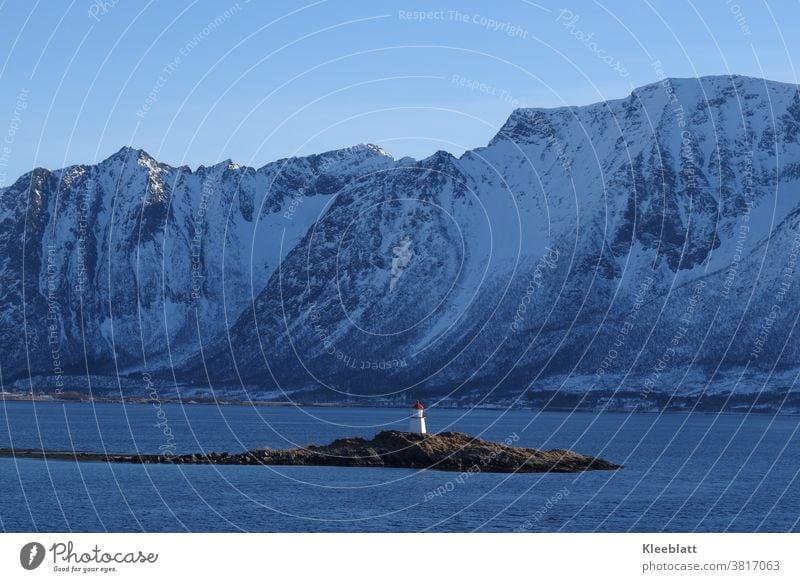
[[128, 155], [378, 150], [226, 164], [712, 90], [360, 150]]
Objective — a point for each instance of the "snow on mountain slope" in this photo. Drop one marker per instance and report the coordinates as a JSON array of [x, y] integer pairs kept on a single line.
[[582, 228], [141, 262], [636, 247]]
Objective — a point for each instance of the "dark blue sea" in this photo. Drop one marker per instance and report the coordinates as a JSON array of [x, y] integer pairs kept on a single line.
[[683, 472]]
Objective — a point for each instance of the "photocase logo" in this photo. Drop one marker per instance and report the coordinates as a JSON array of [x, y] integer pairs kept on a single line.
[[31, 555]]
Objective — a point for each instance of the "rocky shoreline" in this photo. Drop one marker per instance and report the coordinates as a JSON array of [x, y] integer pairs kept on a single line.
[[447, 451]]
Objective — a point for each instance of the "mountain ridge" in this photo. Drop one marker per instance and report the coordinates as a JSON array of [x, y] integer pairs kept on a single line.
[[349, 274]]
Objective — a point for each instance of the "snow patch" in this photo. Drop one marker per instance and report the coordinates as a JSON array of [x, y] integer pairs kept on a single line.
[[402, 256]]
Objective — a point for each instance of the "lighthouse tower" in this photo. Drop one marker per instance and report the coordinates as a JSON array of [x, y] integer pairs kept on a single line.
[[417, 421]]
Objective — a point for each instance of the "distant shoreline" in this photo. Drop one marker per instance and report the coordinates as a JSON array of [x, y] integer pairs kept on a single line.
[[81, 398], [86, 399]]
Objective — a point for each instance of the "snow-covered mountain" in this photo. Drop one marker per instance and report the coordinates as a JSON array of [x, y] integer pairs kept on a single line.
[[132, 266], [637, 250]]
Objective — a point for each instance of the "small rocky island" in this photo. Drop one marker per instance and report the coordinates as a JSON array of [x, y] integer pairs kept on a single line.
[[446, 451]]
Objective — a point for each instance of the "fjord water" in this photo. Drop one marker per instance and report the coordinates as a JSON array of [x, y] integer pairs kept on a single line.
[[683, 472]]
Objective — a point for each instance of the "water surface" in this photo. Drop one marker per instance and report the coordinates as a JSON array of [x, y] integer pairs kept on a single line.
[[683, 472]]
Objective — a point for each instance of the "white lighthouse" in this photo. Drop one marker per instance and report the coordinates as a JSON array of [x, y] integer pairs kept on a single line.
[[417, 421]]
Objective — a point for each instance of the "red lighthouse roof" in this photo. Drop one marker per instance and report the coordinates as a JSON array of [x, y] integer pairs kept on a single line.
[[418, 405]]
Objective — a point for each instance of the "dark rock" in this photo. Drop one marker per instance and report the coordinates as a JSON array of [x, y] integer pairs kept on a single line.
[[447, 451]]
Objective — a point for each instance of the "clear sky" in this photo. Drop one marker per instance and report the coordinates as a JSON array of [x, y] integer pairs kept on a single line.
[[197, 82]]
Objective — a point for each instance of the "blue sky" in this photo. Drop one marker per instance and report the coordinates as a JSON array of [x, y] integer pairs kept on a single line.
[[198, 82]]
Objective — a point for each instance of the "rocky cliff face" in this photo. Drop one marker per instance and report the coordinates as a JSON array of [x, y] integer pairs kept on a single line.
[[643, 248]]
